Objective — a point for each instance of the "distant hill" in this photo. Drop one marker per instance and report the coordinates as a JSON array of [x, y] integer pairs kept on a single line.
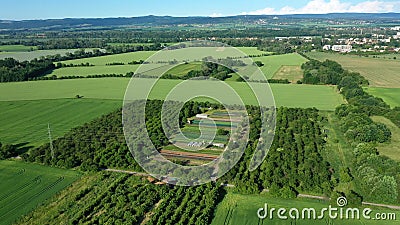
[[55, 24]]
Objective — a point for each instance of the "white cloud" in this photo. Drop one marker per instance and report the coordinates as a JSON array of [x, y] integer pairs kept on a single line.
[[216, 15], [331, 6]]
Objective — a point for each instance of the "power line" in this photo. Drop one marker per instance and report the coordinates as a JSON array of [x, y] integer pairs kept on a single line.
[[51, 141]]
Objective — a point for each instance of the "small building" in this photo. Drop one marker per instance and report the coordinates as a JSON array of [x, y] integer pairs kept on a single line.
[[342, 48], [326, 47], [219, 145], [202, 116]]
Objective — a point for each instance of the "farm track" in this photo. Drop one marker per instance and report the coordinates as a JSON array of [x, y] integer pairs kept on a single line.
[[188, 155], [395, 207]]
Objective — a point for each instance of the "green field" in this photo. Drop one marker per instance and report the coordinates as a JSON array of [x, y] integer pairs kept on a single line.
[[273, 63], [292, 73], [183, 69], [121, 58], [251, 51], [93, 70], [391, 149], [25, 186], [379, 71], [22, 56], [390, 95], [16, 48], [242, 209], [321, 97], [26, 121]]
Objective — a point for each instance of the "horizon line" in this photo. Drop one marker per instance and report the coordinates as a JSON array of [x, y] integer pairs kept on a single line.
[[198, 16]]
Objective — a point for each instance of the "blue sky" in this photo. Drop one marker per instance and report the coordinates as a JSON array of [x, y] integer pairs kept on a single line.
[[43, 9]]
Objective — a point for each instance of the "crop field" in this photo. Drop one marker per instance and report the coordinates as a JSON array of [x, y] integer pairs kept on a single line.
[[273, 63], [25, 186], [390, 95], [381, 72], [304, 96], [251, 51], [25, 122], [93, 70], [391, 149], [16, 48], [120, 58], [183, 69], [292, 73], [22, 56], [242, 209]]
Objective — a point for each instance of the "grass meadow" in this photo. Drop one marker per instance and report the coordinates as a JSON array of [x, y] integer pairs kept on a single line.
[[390, 95], [242, 209], [381, 72], [391, 149], [25, 122], [319, 96]]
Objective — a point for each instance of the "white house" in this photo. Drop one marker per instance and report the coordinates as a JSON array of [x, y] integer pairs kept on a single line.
[[342, 48], [202, 116]]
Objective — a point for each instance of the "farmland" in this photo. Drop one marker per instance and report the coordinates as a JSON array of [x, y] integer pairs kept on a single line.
[[25, 122], [391, 149], [114, 88], [16, 48], [242, 209], [25, 186], [292, 73], [115, 198], [273, 63], [381, 72], [389, 95], [22, 56]]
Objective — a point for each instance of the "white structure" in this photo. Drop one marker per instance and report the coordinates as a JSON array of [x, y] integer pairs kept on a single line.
[[219, 145], [342, 48], [397, 36], [326, 47], [202, 116]]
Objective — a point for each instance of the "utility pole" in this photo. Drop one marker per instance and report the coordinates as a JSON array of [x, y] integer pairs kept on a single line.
[[51, 141]]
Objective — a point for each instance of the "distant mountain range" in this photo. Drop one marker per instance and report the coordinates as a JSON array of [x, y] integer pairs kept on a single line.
[[54, 24]]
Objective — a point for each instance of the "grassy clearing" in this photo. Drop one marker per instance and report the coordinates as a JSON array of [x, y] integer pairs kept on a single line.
[[26, 121], [273, 63], [25, 186], [22, 56], [389, 95], [381, 72], [242, 209], [292, 73], [17, 48], [319, 96], [251, 50], [183, 69], [391, 149]]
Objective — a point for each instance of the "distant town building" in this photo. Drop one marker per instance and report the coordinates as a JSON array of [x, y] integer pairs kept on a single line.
[[395, 28], [326, 47], [397, 36], [342, 48]]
